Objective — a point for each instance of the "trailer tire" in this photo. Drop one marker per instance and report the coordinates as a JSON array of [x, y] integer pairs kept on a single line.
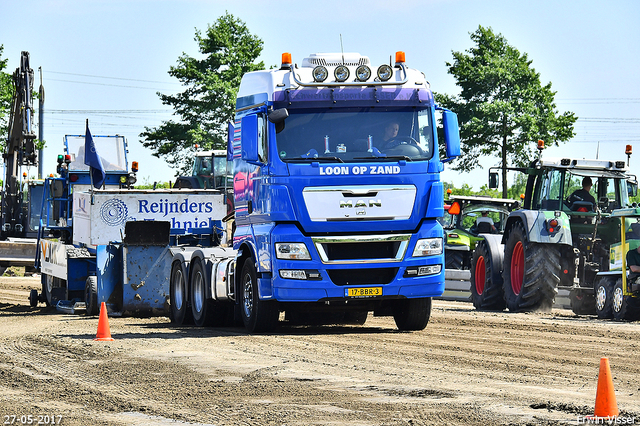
[[603, 301], [486, 282], [91, 296], [582, 303], [205, 312], [531, 273], [412, 314], [257, 315], [625, 308], [180, 313], [53, 289], [453, 259]]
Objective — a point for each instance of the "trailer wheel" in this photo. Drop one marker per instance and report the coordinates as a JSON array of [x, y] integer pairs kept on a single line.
[[180, 309], [53, 289], [625, 308], [33, 298], [91, 295], [603, 290], [412, 314], [205, 312], [486, 281], [582, 303], [531, 272], [453, 259], [257, 315]]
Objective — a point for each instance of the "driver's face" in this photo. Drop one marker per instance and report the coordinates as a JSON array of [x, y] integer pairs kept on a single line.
[[391, 131]]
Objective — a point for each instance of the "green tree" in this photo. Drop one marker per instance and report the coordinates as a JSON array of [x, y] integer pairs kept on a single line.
[[502, 108], [6, 95], [208, 102]]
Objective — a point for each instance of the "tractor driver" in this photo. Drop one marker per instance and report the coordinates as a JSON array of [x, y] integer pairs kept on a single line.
[[583, 193]]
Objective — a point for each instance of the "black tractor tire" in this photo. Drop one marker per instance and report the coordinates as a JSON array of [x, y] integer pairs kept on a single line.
[[453, 259], [91, 296], [412, 314], [180, 313], [582, 303], [205, 312], [486, 281], [257, 315], [531, 272], [625, 308], [603, 289]]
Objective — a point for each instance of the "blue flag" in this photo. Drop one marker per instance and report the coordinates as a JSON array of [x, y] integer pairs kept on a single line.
[[92, 159], [230, 135]]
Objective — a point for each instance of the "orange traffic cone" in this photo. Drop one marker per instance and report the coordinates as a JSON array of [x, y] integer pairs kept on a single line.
[[606, 405], [103, 325]]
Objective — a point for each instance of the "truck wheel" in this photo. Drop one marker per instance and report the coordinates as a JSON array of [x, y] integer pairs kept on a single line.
[[582, 303], [180, 309], [486, 281], [47, 288], [412, 314], [53, 289], [206, 312], [453, 259], [355, 317], [531, 273], [625, 308], [603, 290], [91, 295], [257, 315]]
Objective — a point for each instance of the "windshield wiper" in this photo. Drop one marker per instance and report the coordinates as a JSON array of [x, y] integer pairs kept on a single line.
[[312, 159], [386, 157]]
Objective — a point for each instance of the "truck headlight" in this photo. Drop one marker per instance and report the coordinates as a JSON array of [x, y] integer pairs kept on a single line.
[[428, 247], [292, 251]]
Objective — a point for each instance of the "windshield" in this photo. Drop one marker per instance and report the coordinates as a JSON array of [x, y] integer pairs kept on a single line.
[[351, 135], [111, 150]]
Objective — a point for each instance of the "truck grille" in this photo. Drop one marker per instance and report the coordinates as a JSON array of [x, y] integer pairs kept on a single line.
[[362, 249], [362, 276]]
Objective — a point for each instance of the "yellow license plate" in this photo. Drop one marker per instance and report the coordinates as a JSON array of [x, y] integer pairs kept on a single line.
[[364, 292]]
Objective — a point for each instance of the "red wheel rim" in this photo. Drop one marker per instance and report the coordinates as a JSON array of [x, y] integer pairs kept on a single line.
[[517, 268], [479, 275]]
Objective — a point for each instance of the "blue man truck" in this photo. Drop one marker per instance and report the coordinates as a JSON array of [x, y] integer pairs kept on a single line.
[[337, 194]]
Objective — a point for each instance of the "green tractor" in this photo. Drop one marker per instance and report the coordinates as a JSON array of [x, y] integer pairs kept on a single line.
[[617, 295], [559, 240], [463, 228]]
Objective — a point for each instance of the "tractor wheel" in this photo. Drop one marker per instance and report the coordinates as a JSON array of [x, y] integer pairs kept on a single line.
[[486, 281], [625, 308], [453, 259], [531, 273], [603, 291], [582, 303]]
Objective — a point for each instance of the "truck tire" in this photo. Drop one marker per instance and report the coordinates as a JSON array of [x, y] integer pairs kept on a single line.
[[257, 315], [355, 317], [91, 296], [486, 281], [603, 290], [625, 308], [206, 312], [453, 259], [582, 303], [412, 314], [53, 289], [180, 313], [531, 273]]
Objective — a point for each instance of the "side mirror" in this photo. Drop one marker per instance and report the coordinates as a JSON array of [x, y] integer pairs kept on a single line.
[[277, 117], [493, 180], [249, 139], [632, 189], [451, 134]]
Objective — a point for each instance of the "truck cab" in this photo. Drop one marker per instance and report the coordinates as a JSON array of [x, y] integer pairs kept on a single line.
[[331, 210]]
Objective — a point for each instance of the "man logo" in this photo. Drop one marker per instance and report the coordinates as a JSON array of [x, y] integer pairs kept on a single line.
[[359, 204]]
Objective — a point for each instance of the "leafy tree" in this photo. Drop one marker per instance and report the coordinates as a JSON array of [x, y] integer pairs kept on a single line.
[[6, 95], [208, 102], [502, 107]]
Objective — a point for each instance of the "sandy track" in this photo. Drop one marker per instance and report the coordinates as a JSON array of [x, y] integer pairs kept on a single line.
[[465, 368]]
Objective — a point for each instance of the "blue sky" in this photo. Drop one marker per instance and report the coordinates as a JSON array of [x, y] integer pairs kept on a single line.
[[105, 59]]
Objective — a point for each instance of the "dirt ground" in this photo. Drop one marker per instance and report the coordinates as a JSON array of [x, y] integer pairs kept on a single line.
[[465, 368]]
